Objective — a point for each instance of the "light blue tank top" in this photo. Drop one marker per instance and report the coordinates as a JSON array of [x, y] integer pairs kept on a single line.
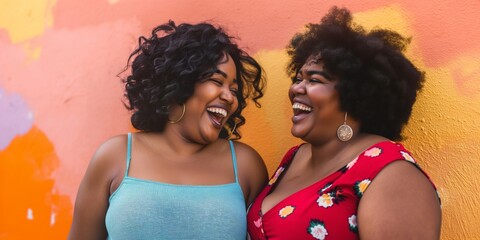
[[143, 209]]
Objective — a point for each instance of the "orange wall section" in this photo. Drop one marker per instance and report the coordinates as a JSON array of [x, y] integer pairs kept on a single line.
[[30, 207], [58, 78]]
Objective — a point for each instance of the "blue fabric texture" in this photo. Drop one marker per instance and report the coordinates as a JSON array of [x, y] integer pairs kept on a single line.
[[143, 209]]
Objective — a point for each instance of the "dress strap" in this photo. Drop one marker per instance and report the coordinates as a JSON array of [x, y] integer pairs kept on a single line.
[[234, 160], [129, 153]]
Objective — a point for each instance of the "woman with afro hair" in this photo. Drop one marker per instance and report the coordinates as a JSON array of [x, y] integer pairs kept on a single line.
[[180, 176], [352, 93]]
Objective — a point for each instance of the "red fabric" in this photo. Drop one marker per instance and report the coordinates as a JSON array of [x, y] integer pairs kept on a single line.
[[327, 209]]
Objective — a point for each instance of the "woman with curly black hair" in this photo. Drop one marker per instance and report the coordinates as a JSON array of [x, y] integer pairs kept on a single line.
[[352, 93], [179, 176]]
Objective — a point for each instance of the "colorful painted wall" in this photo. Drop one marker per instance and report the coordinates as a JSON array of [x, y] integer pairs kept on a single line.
[[60, 97]]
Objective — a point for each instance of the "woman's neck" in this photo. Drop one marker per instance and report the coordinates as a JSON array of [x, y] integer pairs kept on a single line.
[[173, 142], [336, 153]]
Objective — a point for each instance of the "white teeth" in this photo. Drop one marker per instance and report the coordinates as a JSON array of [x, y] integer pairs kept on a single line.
[[302, 107], [220, 111]]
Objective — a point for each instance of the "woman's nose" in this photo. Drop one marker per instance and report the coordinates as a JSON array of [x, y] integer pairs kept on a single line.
[[227, 95], [298, 87]]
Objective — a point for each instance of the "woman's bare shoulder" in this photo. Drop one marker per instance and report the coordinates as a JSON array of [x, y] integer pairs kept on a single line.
[[252, 169], [400, 202]]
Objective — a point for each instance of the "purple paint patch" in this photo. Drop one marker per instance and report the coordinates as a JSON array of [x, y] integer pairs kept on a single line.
[[16, 118]]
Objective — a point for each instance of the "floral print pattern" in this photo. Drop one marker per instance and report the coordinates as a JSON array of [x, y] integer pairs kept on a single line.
[[317, 229], [327, 186], [326, 209], [258, 222], [361, 186], [373, 152], [325, 200], [407, 157], [328, 199], [352, 223], [284, 212], [350, 164], [275, 177]]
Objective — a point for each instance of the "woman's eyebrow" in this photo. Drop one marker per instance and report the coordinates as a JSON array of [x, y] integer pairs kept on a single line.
[[221, 73], [224, 74], [323, 73]]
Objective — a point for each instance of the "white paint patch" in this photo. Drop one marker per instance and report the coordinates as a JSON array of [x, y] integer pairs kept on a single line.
[[29, 214], [52, 219]]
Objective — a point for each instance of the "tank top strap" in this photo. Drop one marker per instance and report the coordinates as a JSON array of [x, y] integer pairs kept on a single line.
[[234, 160], [129, 153]]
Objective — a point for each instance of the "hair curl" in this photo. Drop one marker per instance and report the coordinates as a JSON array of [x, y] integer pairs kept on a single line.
[[377, 84], [167, 65]]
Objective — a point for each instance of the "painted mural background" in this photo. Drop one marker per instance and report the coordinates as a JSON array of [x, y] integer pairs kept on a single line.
[[60, 97]]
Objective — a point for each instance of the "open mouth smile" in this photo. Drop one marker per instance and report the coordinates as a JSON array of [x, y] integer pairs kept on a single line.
[[300, 111], [217, 115], [299, 108]]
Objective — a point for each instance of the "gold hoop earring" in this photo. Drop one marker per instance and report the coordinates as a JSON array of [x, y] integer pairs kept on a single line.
[[178, 120], [344, 132], [232, 131]]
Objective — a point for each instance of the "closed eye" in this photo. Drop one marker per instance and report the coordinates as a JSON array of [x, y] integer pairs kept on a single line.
[[234, 91], [319, 75], [316, 80], [297, 79], [216, 82]]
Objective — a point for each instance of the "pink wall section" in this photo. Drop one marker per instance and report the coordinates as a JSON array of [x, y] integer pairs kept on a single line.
[[60, 97]]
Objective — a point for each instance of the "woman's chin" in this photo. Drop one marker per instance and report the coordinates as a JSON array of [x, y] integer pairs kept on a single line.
[[210, 136], [298, 133]]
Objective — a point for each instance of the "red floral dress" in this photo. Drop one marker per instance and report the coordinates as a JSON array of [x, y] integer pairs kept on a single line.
[[328, 208]]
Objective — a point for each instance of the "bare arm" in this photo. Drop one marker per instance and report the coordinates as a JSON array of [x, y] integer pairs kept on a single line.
[[252, 172], [92, 199], [400, 203]]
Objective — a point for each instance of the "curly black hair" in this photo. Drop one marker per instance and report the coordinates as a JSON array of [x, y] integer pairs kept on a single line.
[[167, 65], [377, 84]]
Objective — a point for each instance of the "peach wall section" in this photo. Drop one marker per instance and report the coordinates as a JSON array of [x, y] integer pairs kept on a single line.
[[61, 57]]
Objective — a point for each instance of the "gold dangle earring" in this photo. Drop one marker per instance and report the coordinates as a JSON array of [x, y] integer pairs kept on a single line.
[[178, 120], [344, 132]]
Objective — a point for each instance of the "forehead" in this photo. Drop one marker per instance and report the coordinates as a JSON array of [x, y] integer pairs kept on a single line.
[[311, 65], [315, 65], [314, 60], [227, 66]]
